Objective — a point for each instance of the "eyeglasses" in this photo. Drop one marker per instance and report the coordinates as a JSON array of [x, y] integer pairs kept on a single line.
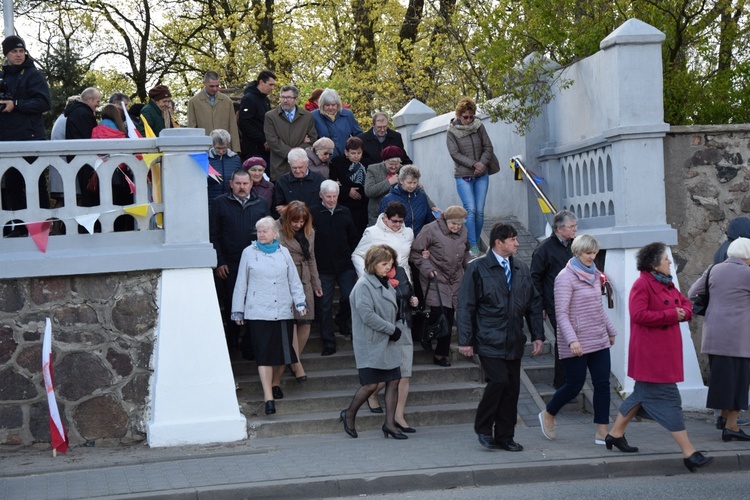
[[468, 118], [288, 98], [396, 221], [574, 226]]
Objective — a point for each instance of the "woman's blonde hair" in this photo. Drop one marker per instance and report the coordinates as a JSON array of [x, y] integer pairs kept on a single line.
[[377, 254], [464, 105], [584, 243]]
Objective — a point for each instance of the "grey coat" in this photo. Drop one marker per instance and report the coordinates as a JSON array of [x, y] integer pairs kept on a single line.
[[726, 326], [268, 287], [373, 322], [449, 255], [468, 144]]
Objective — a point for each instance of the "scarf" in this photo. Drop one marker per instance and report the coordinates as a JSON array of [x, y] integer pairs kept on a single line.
[[587, 274], [357, 173], [460, 131], [268, 247], [304, 244], [391, 275], [383, 281], [661, 277]]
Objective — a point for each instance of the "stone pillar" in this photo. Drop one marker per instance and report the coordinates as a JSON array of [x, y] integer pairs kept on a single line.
[[193, 397], [408, 119]]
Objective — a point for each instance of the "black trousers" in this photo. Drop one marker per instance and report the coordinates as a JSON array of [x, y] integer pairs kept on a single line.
[[498, 409], [559, 377]]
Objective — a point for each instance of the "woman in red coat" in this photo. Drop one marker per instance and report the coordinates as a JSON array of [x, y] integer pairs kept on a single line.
[[655, 355]]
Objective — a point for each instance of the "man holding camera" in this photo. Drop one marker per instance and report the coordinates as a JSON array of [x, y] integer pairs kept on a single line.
[[24, 98]]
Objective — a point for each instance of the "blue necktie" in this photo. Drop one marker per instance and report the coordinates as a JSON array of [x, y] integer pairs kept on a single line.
[[506, 268], [290, 116]]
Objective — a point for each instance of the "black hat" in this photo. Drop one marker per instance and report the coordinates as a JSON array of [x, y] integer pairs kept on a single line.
[[13, 42]]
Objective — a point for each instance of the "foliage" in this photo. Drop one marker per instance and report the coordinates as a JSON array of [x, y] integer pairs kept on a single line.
[[380, 54]]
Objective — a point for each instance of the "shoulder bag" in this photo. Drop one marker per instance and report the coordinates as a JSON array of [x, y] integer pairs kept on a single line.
[[700, 301]]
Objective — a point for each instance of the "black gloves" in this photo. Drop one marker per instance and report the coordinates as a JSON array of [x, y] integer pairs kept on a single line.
[[395, 335]]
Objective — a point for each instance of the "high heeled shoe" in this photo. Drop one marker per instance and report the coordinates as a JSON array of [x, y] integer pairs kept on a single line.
[[377, 409], [395, 435], [696, 460], [620, 443], [351, 432], [408, 430]]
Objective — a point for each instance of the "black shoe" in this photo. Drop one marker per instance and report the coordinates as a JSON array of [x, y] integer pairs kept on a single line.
[[395, 435], [721, 422], [377, 409], [696, 460], [301, 379], [487, 442], [344, 328], [509, 446], [739, 435], [351, 432], [620, 443], [408, 430], [328, 351], [426, 345], [276, 391], [270, 407], [441, 362]]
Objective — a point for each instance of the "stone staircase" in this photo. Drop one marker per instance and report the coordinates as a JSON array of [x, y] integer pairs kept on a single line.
[[437, 395]]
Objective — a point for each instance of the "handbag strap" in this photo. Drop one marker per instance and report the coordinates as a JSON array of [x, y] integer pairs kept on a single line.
[[708, 275], [437, 289]]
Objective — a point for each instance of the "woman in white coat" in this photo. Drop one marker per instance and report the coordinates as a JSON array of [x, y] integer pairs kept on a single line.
[[267, 292]]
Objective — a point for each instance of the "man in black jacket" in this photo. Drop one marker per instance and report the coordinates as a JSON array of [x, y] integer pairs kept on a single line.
[[496, 295], [335, 240], [24, 98], [379, 137], [253, 108], [231, 229], [548, 259], [300, 183]]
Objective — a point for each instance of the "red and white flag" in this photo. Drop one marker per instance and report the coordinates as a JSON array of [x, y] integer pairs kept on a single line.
[[56, 430]]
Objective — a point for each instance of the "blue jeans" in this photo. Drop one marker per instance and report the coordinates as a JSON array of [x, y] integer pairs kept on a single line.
[[598, 364], [473, 193]]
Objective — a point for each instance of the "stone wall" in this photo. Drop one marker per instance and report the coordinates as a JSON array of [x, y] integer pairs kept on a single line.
[[707, 178], [103, 339]]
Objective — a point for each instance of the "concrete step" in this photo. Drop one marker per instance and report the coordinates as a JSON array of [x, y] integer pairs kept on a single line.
[[341, 379], [327, 401], [328, 422]]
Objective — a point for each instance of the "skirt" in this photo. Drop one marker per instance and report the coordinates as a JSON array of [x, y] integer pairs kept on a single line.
[[369, 376], [730, 378], [662, 402], [272, 341]]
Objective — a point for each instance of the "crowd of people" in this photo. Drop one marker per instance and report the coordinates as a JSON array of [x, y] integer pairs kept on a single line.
[[305, 200]]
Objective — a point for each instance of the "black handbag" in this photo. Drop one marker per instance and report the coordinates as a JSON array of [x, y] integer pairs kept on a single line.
[[700, 301], [434, 328]]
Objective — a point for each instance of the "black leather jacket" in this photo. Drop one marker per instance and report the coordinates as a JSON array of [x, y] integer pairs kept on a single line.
[[490, 317]]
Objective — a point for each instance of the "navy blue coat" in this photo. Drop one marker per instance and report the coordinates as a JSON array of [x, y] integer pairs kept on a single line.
[[232, 227], [30, 92], [418, 209]]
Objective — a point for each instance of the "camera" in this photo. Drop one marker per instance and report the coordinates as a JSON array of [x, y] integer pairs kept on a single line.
[[5, 95]]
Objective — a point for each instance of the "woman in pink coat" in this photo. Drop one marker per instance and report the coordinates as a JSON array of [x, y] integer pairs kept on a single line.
[[584, 335], [655, 354]]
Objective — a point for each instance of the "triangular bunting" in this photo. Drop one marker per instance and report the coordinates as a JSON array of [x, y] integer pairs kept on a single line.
[[99, 162], [138, 210], [202, 160], [150, 158], [131, 185], [132, 131], [39, 232], [88, 221], [212, 173]]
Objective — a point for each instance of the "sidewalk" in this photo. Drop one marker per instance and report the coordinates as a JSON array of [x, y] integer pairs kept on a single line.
[[337, 465]]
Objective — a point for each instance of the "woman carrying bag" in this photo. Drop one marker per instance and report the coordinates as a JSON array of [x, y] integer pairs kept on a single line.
[[441, 252]]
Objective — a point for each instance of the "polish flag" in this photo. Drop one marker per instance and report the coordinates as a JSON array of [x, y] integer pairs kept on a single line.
[[56, 430]]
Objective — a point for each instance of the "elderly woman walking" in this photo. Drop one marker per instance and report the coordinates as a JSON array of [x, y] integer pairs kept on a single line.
[[655, 354], [585, 334], [267, 292], [334, 121], [376, 330], [726, 336], [224, 161]]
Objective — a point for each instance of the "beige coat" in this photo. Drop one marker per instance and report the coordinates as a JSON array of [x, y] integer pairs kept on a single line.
[[306, 269], [221, 115], [449, 255], [283, 136]]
